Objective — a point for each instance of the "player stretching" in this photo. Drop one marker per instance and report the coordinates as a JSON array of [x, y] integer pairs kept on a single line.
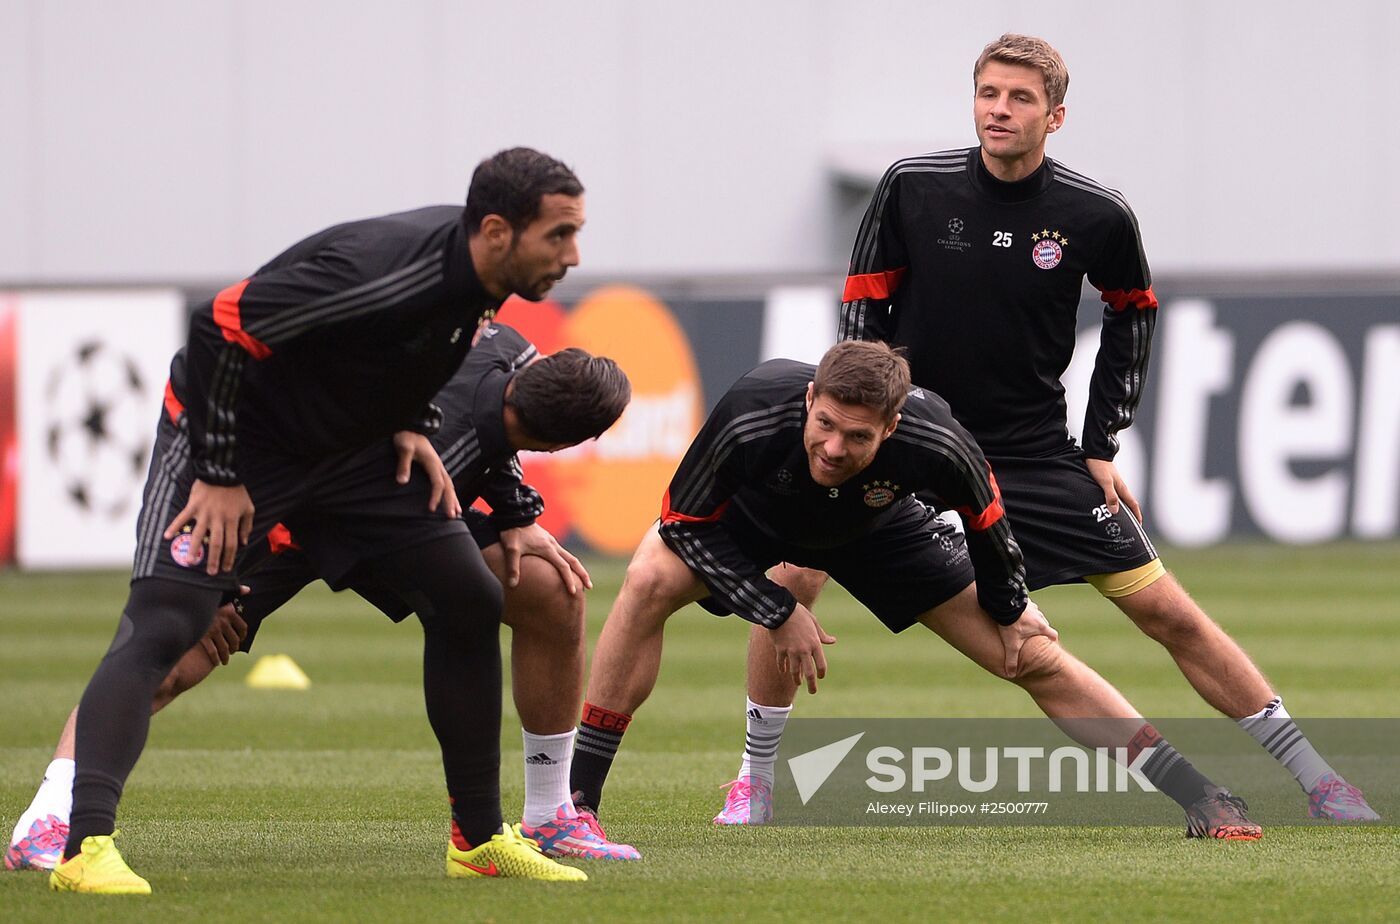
[[820, 468], [493, 408], [333, 346], [973, 260]]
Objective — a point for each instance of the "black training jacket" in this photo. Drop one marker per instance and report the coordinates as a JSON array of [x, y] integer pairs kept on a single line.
[[340, 340], [981, 281], [750, 453]]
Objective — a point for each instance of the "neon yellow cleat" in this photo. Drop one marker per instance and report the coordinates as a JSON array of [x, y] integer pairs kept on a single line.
[[98, 869], [506, 855]]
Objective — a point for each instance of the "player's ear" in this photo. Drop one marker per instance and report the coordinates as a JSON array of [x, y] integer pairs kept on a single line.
[[811, 394], [496, 230], [1057, 119], [893, 423]]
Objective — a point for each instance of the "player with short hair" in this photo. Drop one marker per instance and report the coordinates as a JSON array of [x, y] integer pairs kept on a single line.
[[821, 467], [505, 398], [337, 343], [973, 260]]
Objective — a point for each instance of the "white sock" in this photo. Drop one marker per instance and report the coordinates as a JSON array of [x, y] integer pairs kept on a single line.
[[1273, 728], [55, 797], [547, 760], [762, 733]]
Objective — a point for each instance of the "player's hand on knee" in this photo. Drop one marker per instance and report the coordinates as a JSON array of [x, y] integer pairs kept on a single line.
[[798, 644], [1014, 637], [1115, 489], [540, 542], [222, 515], [415, 447]]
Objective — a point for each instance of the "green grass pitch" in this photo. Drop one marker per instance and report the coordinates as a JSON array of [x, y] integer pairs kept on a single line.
[[327, 805]]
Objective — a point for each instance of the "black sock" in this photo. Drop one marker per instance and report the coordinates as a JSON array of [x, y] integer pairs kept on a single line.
[[161, 621], [1167, 769], [595, 748], [458, 601]]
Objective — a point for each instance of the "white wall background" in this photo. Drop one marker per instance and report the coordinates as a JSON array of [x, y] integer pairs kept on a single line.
[[192, 139]]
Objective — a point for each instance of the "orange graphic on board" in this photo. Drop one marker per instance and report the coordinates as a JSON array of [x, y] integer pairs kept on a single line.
[[607, 492]]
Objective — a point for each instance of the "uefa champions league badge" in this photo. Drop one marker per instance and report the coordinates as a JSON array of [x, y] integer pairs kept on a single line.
[[181, 552], [880, 494], [1047, 249]]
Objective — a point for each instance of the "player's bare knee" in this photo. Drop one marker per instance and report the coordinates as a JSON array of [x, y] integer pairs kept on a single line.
[[1040, 660], [650, 584], [541, 602], [562, 617]]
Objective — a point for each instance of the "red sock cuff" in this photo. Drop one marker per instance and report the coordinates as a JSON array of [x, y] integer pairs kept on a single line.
[[1145, 738], [606, 719]]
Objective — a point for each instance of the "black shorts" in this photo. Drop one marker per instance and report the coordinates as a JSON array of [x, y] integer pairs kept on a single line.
[[1059, 519], [906, 566], [277, 578], [343, 510]]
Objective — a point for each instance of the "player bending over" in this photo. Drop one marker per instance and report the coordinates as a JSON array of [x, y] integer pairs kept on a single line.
[[333, 346], [819, 467], [565, 399]]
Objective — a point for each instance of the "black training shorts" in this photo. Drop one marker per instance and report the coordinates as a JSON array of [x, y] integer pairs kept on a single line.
[[1059, 518], [907, 565], [342, 510], [278, 577]]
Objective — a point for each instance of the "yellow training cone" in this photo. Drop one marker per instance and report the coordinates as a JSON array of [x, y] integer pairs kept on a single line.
[[277, 672]]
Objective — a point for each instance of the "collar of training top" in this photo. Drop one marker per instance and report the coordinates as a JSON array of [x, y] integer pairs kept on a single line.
[[461, 275], [1019, 191]]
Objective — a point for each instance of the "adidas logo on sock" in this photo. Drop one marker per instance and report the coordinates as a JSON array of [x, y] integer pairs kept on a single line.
[[541, 758], [755, 714]]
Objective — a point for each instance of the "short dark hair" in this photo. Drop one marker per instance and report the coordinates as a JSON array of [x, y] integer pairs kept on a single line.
[[864, 372], [511, 183], [569, 396]]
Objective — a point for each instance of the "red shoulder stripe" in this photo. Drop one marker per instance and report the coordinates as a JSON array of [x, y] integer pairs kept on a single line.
[[173, 406], [226, 315]]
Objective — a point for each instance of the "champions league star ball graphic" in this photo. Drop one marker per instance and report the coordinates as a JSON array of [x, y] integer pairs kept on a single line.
[[98, 432]]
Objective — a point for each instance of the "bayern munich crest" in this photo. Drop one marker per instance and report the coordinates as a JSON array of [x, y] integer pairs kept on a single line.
[[879, 494], [1047, 249], [181, 552]]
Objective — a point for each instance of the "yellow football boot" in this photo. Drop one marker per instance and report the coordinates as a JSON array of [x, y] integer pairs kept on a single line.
[[97, 869], [507, 855]]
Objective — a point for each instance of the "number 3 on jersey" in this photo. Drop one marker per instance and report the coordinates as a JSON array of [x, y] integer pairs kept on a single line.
[[1001, 238]]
